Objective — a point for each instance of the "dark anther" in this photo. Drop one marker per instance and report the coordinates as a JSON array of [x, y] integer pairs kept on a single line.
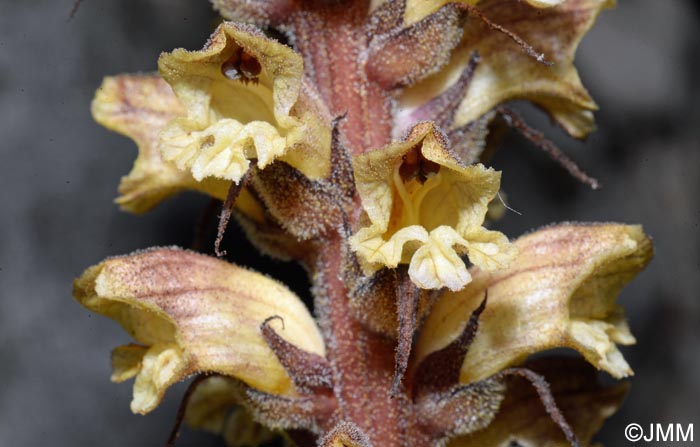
[[241, 66], [542, 387], [516, 122], [440, 370], [226, 211], [249, 66], [175, 432], [539, 57], [415, 165]]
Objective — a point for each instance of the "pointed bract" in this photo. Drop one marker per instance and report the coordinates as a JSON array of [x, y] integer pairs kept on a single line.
[[522, 418]]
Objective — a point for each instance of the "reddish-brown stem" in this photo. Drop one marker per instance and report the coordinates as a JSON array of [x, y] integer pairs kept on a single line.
[[362, 361], [331, 39]]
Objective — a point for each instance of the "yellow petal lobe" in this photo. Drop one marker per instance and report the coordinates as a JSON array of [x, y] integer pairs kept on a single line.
[[139, 107]]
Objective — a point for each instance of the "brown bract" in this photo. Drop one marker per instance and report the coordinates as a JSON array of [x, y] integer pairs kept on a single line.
[[522, 418]]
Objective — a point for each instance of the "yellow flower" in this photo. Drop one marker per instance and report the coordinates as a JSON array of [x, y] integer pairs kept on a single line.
[[426, 209], [191, 313], [140, 106], [559, 291], [507, 73], [245, 99]]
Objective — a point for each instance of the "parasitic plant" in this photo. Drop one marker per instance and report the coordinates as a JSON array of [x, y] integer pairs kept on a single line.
[[350, 136]]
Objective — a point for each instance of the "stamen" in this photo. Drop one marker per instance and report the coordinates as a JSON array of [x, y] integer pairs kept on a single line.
[[430, 184], [409, 216]]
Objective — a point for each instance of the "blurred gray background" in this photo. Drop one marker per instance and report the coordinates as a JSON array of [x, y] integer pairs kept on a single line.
[[59, 172]]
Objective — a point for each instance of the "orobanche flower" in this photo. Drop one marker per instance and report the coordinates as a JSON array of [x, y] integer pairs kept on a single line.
[[140, 106], [191, 313], [358, 151], [426, 209], [507, 73], [544, 300], [245, 99]]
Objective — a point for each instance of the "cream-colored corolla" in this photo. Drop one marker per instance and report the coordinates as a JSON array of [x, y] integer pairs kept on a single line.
[[559, 291], [505, 72], [192, 313], [246, 100], [425, 208]]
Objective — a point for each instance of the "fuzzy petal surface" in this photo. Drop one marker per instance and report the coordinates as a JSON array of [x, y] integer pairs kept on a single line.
[[559, 291], [194, 313]]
